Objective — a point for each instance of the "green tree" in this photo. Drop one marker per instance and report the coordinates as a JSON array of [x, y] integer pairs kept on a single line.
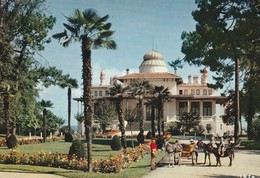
[[105, 113], [215, 41], [189, 121], [24, 27], [119, 91], [139, 89], [131, 116], [93, 32]]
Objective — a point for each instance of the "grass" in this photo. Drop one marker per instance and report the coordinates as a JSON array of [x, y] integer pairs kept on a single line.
[[100, 150], [250, 144]]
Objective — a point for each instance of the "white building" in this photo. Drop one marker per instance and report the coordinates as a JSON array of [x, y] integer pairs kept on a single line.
[[193, 95]]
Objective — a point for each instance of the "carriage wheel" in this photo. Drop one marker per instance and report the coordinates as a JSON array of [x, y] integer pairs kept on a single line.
[[194, 157]]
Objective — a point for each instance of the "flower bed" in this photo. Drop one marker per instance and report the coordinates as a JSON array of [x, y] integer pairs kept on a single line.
[[112, 165], [35, 140]]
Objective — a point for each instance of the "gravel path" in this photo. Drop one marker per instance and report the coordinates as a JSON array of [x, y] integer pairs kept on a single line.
[[246, 163]]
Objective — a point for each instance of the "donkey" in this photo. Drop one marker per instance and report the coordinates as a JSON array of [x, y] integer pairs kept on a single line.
[[174, 153], [229, 152], [207, 149]]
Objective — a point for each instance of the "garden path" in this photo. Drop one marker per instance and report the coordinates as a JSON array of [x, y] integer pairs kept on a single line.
[[247, 162]]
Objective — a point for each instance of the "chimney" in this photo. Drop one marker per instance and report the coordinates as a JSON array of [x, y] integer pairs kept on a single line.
[[102, 77], [195, 79], [189, 79], [204, 76], [127, 71]]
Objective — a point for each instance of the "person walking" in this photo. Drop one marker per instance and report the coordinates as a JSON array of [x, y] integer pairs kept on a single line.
[[153, 153]]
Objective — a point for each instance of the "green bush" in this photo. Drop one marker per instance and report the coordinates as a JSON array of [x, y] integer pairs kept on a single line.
[[256, 129], [116, 143], [77, 149], [68, 137], [12, 142]]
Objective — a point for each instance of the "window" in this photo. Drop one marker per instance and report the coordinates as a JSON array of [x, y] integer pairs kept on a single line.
[[197, 92], [205, 91], [207, 108], [96, 93], [221, 127], [210, 92], [180, 92], [149, 112], [195, 107], [183, 107], [107, 93], [192, 91], [186, 92], [100, 93]]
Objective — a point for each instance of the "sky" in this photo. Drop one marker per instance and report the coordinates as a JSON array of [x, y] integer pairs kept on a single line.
[[139, 25]]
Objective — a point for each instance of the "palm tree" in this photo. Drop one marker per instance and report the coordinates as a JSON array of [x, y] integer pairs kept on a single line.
[[138, 90], [93, 32], [63, 82], [161, 95], [119, 91], [45, 104]]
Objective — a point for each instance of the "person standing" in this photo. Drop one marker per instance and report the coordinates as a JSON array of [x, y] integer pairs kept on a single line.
[[153, 153]]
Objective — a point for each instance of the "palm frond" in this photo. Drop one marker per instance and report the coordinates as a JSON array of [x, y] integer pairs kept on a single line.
[[90, 15], [107, 26], [106, 33], [60, 35], [102, 19], [72, 29], [111, 44], [97, 43]]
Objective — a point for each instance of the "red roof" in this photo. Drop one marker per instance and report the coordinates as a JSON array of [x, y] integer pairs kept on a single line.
[[148, 76]]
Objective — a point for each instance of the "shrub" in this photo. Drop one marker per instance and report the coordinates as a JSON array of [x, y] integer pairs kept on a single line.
[[140, 138], [256, 129], [68, 137], [12, 142], [77, 149], [116, 143], [149, 135]]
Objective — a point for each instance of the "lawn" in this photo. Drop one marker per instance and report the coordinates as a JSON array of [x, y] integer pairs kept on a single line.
[[100, 150]]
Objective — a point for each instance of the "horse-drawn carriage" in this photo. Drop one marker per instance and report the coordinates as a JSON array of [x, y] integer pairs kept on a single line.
[[179, 151]]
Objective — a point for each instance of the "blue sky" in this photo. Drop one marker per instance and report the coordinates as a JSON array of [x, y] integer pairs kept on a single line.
[[139, 26]]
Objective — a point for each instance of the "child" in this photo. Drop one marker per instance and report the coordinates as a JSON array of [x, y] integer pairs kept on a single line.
[[153, 153]]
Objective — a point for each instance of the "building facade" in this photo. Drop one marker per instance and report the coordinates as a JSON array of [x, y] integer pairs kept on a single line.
[[194, 95]]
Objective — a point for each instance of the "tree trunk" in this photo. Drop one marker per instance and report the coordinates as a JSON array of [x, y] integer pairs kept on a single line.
[[140, 105], [121, 121], [132, 140], [6, 101], [69, 107], [87, 100], [153, 120], [44, 124], [237, 116], [250, 113]]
